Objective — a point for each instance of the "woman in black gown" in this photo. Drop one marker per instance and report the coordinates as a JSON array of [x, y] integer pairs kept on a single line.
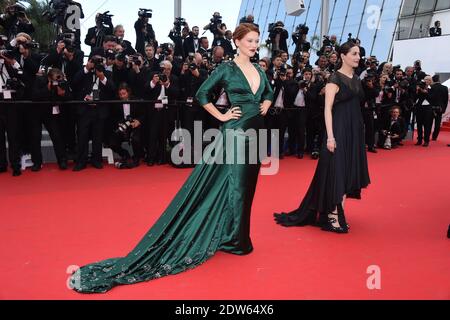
[[342, 170]]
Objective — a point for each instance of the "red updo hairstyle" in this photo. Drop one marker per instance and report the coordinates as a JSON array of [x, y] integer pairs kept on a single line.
[[242, 30]]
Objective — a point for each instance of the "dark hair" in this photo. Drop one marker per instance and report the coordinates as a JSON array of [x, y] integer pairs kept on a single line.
[[436, 78], [55, 72], [396, 108], [307, 70], [126, 87], [110, 38], [344, 49], [277, 55]]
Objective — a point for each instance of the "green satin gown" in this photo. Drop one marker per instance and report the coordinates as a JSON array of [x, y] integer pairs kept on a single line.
[[210, 213]]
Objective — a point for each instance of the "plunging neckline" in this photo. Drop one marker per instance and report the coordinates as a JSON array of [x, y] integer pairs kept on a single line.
[[248, 82]]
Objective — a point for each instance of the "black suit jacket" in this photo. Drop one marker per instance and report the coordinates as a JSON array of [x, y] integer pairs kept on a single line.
[[30, 68], [84, 82], [91, 34], [42, 93], [13, 73], [439, 96], [189, 46], [172, 92]]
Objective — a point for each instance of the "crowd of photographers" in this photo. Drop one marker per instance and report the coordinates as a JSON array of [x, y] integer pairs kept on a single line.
[[99, 101]]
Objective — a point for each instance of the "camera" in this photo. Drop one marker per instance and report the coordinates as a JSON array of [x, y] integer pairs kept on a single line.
[[110, 54], [57, 11], [16, 10], [422, 84], [180, 22], [30, 45], [134, 59], [124, 127], [9, 54], [60, 83], [303, 84], [105, 18], [302, 29], [326, 41], [145, 13], [13, 84], [68, 39], [98, 64], [215, 21], [351, 39], [166, 49], [162, 77], [276, 27]]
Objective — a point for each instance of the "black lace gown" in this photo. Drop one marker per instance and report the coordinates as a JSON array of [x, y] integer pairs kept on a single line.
[[342, 173]]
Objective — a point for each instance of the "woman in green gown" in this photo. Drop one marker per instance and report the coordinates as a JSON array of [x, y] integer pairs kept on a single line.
[[211, 212]]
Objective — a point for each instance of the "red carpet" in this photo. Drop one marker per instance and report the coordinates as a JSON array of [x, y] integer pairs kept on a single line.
[[51, 220]]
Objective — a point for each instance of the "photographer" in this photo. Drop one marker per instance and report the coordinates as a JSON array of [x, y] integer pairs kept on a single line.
[[150, 60], [65, 16], [394, 130], [298, 98], [121, 69], [108, 48], [272, 73], [128, 120], [299, 39], [66, 58], [160, 118], [371, 65], [322, 64], [12, 88], [329, 45], [138, 74], [204, 47], [119, 33], [249, 19], [418, 74], [217, 28], [70, 61], [144, 31], [368, 106], [191, 44], [278, 36], [178, 35], [316, 121], [225, 44], [15, 21], [406, 102], [50, 87], [424, 112], [95, 84], [277, 118], [104, 27], [191, 78], [439, 96], [29, 62]]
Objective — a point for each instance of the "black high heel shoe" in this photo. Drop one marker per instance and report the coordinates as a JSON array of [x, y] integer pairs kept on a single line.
[[329, 225], [341, 218]]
